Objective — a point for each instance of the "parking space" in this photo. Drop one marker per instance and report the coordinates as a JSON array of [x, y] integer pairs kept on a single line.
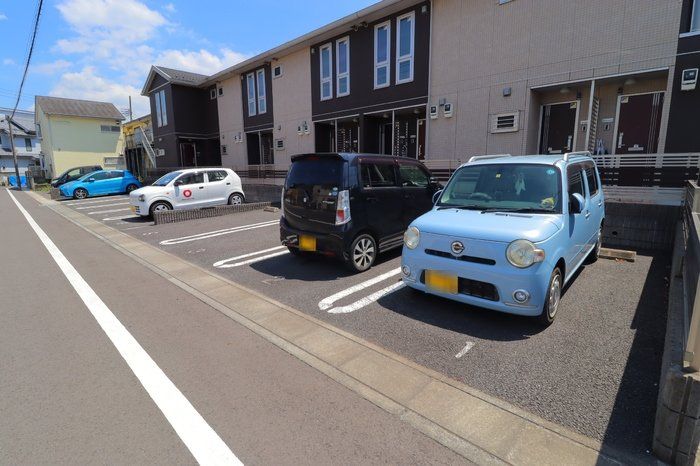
[[595, 370]]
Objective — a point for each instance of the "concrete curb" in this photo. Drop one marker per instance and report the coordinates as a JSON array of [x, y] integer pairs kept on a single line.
[[481, 428], [173, 216]]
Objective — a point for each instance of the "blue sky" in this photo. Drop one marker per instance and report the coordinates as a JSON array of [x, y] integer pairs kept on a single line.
[[102, 49]]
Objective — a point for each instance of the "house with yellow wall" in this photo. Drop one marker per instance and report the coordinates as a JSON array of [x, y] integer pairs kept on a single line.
[[75, 133]]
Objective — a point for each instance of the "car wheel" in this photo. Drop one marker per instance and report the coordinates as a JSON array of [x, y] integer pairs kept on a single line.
[[595, 253], [130, 188], [362, 253], [553, 298], [159, 206], [235, 199], [80, 193]]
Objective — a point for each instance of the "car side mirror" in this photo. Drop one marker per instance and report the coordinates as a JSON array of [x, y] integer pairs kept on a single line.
[[436, 196], [434, 180], [576, 203], [177, 183]]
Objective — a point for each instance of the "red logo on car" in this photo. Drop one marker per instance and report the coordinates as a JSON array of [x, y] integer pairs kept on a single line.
[[187, 193]]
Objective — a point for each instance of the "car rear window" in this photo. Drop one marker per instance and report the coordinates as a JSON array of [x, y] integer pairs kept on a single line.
[[316, 171]]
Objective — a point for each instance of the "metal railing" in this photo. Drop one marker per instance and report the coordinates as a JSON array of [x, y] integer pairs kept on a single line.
[[690, 270]]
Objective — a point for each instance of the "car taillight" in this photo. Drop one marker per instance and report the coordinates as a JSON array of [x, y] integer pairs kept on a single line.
[[342, 210], [282, 203]]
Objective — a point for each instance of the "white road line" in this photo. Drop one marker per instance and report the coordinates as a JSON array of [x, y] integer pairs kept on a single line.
[[212, 234], [96, 201], [328, 302], [465, 350], [366, 301], [203, 442], [250, 261], [99, 206], [221, 263], [135, 228], [111, 219], [109, 211]]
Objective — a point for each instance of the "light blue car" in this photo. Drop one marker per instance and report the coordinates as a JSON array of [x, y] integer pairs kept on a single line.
[[100, 183], [507, 233]]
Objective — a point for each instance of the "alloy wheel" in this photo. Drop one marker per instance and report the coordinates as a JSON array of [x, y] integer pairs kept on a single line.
[[363, 253], [160, 208], [236, 199], [554, 296]]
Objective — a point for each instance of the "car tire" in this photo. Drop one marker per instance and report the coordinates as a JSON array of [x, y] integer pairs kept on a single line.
[[362, 253], [130, 188], [159, 206], [552, 299], [595, 252], [80, 193], [236, 199]]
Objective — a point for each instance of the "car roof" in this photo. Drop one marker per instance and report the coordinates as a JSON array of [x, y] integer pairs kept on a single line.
[[557, 159], [350, 156]]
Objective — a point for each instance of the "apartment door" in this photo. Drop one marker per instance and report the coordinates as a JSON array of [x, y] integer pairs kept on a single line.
[[558, 128], [385, 139], [188, 154], [267, 153], [638, 123]]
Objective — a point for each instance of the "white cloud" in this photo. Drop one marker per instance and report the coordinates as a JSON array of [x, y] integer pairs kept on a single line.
[[88, 84], [8, 62], [170, 8], [51, 67], [3, 16], [202, 61]]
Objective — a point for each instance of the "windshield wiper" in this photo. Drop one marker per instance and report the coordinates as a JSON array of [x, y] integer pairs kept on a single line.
[[460, 207], [524, 210]]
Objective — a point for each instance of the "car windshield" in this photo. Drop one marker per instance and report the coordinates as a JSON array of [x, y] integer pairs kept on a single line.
[[164, 180], [505, 187], [85, 177]]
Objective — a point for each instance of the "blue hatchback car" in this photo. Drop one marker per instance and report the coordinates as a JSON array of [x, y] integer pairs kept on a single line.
[[100, 183], [507, 233]]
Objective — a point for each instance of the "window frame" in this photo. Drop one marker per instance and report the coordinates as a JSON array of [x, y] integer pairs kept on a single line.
[[262, 97], [329, 79], [411, 56], [386, 63], [250, 79], [163, 108], [159, 119], [571, 170], [594, 176], [416, 167], [694, 10], [338, 75], [378, 163], [212, 93]]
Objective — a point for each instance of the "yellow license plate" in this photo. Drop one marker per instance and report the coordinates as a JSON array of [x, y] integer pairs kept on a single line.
[[442, 282], [133, 209], [307, 243]]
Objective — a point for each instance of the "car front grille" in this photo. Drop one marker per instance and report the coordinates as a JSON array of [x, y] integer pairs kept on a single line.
[[447, 255], [474, 288]]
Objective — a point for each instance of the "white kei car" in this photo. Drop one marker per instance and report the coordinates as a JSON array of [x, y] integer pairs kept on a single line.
[[190, 188]]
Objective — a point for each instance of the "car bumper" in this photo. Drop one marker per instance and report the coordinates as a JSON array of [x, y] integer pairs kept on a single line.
[[326, 244], [505, 278], [138, 208]]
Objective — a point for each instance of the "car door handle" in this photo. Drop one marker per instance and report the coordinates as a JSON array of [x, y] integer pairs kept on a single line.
[[407, 196], [588, 214], [201, 187], [371, 199], [228, 184], [600, 203]]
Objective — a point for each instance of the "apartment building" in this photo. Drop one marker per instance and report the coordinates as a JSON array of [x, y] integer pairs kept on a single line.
[[76, 132], [443, 80], [184, 118], [27, 144]]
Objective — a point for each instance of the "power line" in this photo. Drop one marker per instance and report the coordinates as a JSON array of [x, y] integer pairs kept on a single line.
[[29, 56]]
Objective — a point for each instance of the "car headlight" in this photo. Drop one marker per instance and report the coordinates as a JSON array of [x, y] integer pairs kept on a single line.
[[411, 238], [523, 253], [142, 197]]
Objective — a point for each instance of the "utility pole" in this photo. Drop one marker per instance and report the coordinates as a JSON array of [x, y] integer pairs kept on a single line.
[[14, 152], [131, 115]]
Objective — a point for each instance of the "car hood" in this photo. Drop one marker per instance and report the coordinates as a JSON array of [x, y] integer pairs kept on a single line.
[[70, 185], [501, 227], [149, 190]]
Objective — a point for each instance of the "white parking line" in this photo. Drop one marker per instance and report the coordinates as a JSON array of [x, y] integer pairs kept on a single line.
[[465, 350], [96, 201], [212, 234], [203, 442], [225, 264], [111, 219], [366, 300], [99, 206], [328, 302], [110, 211]]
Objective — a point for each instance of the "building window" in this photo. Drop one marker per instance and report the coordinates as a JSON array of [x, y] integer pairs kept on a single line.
[[28, 144], [221, 91], [695, 17], [252, 111], [342, 54], [277, 71], [405, 42], [326, 72], [212, 94], [382, 52], [262, 100], [161, 110], [109, 129], [224, 149]]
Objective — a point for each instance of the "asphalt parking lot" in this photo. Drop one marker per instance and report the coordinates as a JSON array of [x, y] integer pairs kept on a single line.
[[594, 371]]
